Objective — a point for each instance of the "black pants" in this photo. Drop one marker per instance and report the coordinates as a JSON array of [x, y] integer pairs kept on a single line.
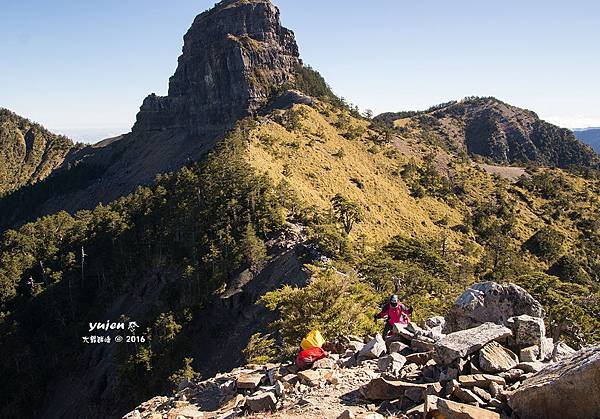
[[387, 329]]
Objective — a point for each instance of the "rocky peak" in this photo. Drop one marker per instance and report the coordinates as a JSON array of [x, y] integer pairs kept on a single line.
[[234, 56]]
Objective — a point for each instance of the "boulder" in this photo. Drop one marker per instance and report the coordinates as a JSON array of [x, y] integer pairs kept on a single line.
[[261, 402], [436, 407], [414, 394], [422, 344], [374, 349], [290, 379], [568, 389], [310, 377], [399, 347], [249, 381], [465, 342], [527, 330], [529, 354], [562, 350], [490, 302], [493, 357], [403, 331], [435, 322], [495, 390], [355, 346], [391, 363], [382, 389]]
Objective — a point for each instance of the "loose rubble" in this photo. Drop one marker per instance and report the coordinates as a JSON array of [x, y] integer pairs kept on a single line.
[[492, 369]]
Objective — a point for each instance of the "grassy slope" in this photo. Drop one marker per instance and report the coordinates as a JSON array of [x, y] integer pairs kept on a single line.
[[308, 157]]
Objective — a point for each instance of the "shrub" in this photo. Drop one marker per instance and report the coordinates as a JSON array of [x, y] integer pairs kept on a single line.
[[546, 243], [335, 303]]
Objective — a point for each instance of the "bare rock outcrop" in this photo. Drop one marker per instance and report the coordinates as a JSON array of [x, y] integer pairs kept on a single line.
[[569, 388], [234, 55], [490, 302]]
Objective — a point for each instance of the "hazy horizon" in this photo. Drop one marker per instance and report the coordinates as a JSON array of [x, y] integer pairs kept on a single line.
[[83, 70]]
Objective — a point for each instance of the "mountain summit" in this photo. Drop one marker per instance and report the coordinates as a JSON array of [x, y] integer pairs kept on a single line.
[[234, 56], [502, 133]]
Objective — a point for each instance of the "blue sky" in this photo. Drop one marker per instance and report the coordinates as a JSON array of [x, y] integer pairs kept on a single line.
[[83, 67]]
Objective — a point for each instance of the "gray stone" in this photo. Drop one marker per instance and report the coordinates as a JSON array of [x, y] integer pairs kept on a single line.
[[465, 342], [310, 377], [374, 349], [398, 347], [562, 350], [535, 366], [382, 389], [448, 373], [355, 346], [261, 402], [493, 357], [436, 407], [347, 362], [527, 330], [391, 363], [419, 358], [422, 345], [567, 389], [435, 322], [490, 302], [529, 354], [249, 381], [402, 330]]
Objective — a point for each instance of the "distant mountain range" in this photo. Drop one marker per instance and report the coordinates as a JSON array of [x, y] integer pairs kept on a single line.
[[590, 136]]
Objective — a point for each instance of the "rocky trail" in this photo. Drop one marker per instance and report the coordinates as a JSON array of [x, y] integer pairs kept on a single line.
[[488, 358]]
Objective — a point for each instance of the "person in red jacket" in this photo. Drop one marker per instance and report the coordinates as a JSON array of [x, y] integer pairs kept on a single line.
[[395, 312]]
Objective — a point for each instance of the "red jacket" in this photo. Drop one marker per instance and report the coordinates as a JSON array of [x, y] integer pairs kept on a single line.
[[398, 314]]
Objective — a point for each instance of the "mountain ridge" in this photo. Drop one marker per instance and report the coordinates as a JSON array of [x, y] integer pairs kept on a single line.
[[490, 128], [28, 152], [235, 57]]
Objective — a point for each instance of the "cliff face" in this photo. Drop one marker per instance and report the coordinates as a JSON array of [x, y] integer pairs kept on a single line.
[[235, 56], [28, 152]]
